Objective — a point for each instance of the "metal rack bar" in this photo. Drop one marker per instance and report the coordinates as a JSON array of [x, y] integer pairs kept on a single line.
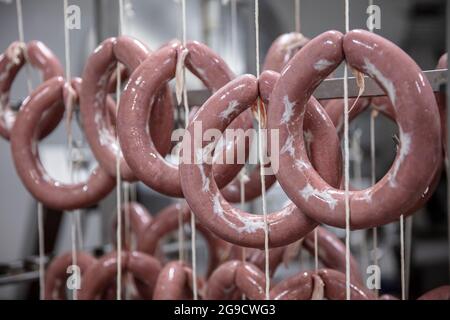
[[334, 88]]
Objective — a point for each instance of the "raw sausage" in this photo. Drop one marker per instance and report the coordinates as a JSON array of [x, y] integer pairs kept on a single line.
[[100, 67], [40, 57], [418, 119], [50, 192], [138, 148]]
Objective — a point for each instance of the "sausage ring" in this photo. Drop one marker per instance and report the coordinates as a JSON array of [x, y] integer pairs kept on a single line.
[[137, 146], [50, 192], [99, 276], [417, 115], [209, 206], [99, 68], [40, 57], [56, 274], [175, 282], [283, 49]]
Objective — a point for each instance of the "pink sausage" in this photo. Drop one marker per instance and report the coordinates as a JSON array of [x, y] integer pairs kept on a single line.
[[138, 148], [101, 65], [139, 219], [440, 293], [41, 58], [283, 49], [257, 257], [98, 277], [418, 156], [209, 206], [173, 283], [234, 278], [56, 274], [332, 252], [50, 192], [441, 99], [232, 192], [166, 222]]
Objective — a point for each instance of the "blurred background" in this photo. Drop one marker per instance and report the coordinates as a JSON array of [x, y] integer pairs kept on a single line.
[[417, 26]]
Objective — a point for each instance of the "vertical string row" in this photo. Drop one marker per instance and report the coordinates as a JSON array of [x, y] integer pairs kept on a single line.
[[69, 112], [118, 176], [22, 40], [234, 31], [186, 123], [297, 15], [260, 153], [373, 178], [373, 116], [346, 168], [40, 207]]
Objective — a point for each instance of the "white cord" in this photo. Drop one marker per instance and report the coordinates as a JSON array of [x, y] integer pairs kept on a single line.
[[402, 256], [261, 166], [69, 110], [373, 116], [186, 123], [118, 176], [22, 40], [346, 169], [297, 15]]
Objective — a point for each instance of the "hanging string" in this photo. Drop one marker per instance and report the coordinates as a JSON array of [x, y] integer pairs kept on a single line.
[[373, 116], [40, 207], [22, 40], [186, 115], [346, 169], [69, 112], [408, 243], [297, 15], [261, 166], [118, 176]]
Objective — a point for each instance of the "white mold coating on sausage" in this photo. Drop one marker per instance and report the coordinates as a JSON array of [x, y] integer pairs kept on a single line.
[[325, 195], [322, 64], [405, 146], [288, 110]]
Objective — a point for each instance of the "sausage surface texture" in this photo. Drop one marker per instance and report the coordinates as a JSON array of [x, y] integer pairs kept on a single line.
[[417, 116]]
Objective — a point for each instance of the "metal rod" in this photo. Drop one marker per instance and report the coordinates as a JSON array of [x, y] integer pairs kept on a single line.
[[334, 88]]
